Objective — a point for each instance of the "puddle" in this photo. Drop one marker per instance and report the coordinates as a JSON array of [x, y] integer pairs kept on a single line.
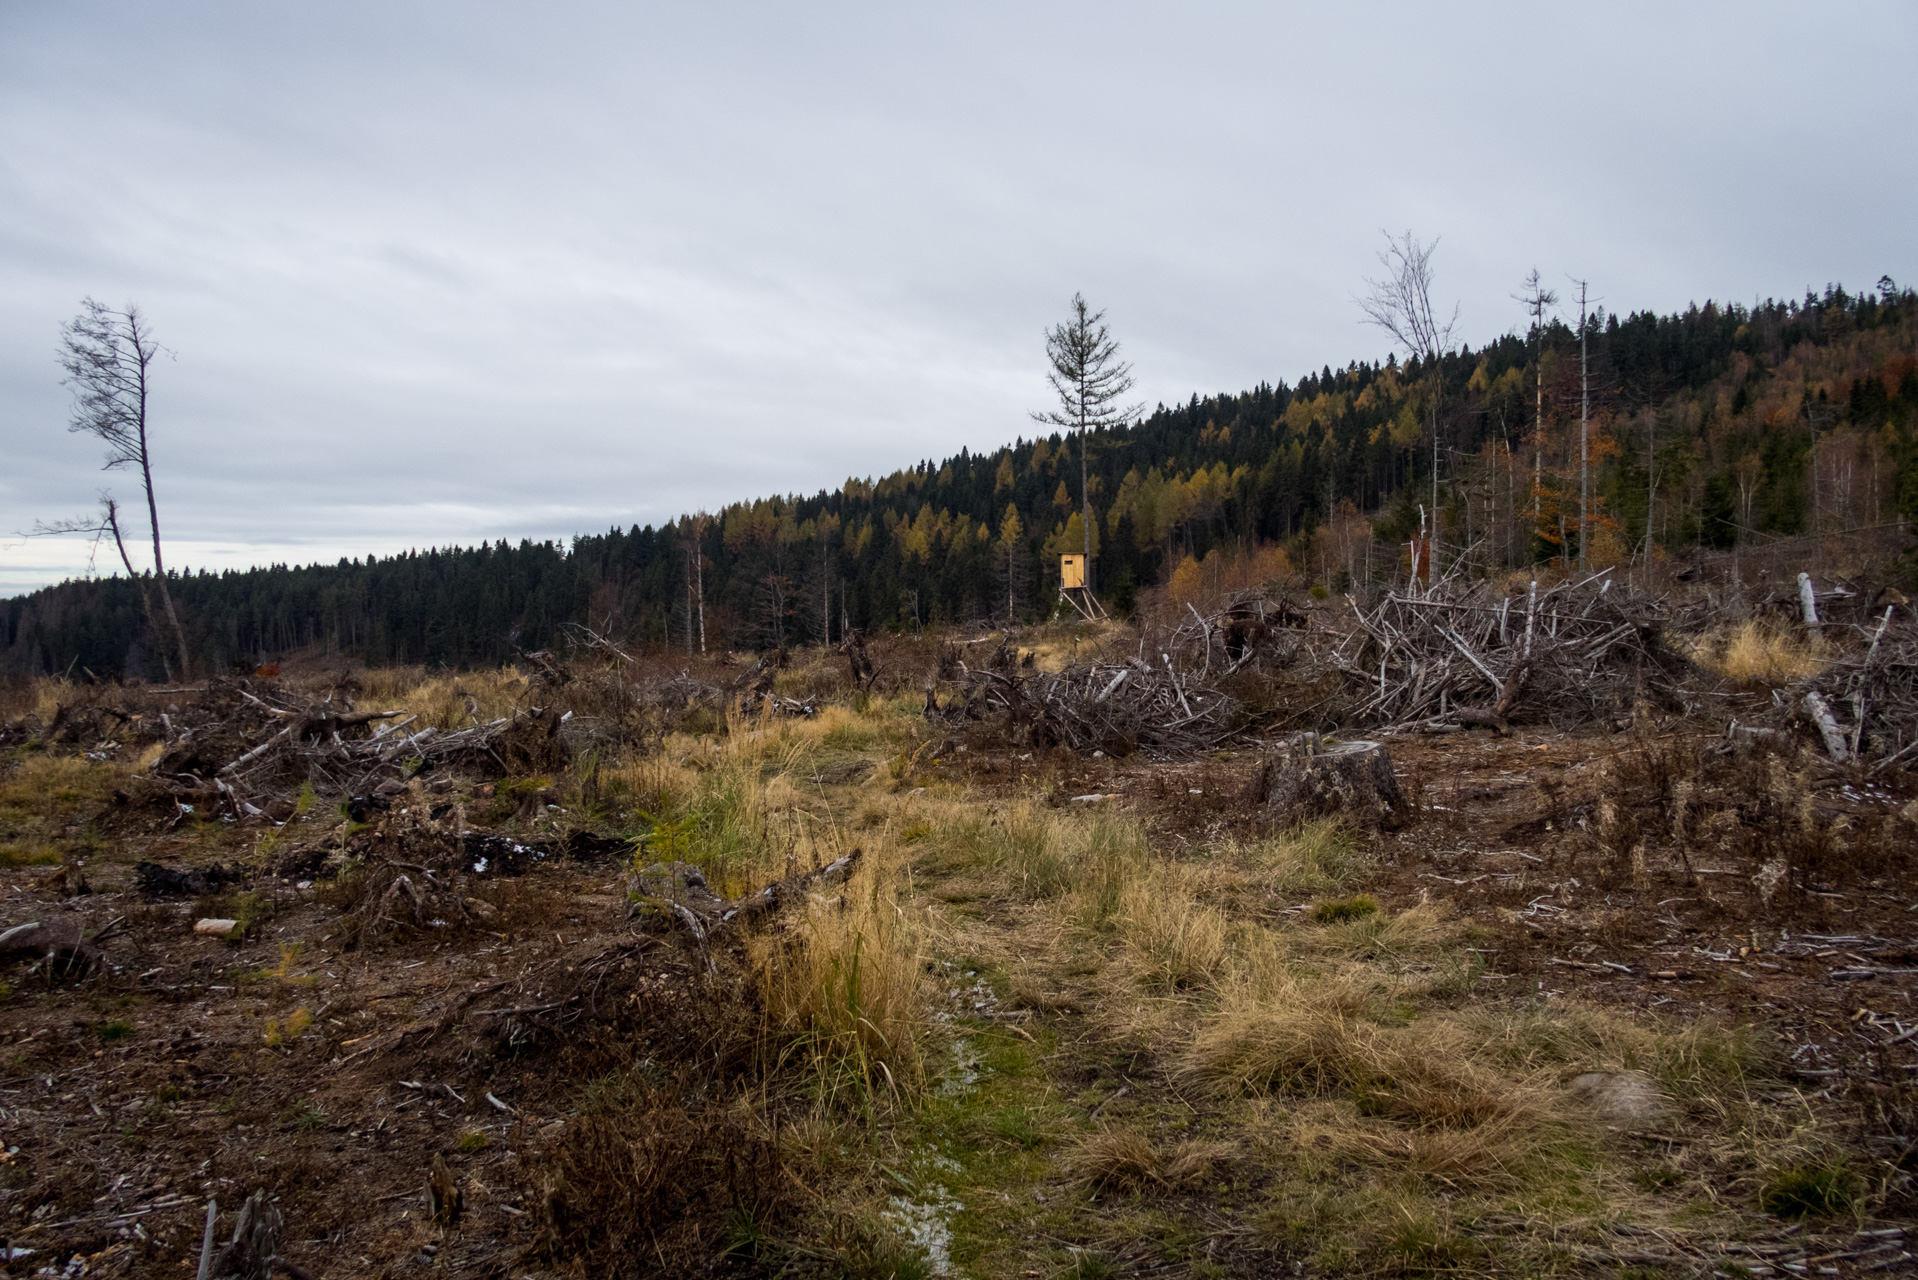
[[926, 1224]]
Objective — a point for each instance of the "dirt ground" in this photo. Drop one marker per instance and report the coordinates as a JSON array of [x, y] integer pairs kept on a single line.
[[330, 1069]]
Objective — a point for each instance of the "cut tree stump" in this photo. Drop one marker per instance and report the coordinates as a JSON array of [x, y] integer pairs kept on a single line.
[[1308, 777]]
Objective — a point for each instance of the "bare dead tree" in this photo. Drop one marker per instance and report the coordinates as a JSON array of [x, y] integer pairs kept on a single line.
[[695, 534], [825, 529], [104, 525], [107, 356], [1536, 299], [1400, 303], [1090, 381], [1584, 420]]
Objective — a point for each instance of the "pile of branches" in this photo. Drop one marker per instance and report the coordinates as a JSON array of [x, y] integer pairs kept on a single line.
[[670, 697], [1463, 654], [247, 752], [1865, 706], [417, 869], [1140, 703]]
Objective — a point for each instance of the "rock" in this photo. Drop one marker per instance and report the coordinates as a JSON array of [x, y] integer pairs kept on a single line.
[[1630, 1097], [215, 927]]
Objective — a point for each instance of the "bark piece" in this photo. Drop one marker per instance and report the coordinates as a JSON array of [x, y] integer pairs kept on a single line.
[[1308, 777]]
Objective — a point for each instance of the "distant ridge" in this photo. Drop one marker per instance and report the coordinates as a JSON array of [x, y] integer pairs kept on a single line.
[[1720, 404]]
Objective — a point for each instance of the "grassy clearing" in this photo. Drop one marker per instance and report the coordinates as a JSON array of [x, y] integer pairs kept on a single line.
[[1026, 1037], [1314, 1075], [446, 701]]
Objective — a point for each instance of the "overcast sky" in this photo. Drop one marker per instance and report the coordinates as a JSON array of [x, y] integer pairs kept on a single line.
[[435, 273]]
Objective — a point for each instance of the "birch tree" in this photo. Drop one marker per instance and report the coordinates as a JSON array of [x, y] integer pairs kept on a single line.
[[1400, 302]]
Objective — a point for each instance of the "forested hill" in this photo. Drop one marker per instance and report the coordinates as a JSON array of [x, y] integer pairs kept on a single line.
[[1720, 425]]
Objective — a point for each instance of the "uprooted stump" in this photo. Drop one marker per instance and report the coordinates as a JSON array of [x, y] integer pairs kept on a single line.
[[1308, 777]]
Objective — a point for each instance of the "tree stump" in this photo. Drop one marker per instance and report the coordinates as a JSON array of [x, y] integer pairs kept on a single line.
[[1308, 778]]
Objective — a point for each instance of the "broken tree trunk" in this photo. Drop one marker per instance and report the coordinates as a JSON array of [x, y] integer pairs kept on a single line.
[[1808, 602], [1308, 778], [1836, 740]]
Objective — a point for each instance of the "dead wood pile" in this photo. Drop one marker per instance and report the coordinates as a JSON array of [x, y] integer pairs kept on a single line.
[[1864, 706], [670, 895], [245, 753], [1145, 702], [1465, 654]]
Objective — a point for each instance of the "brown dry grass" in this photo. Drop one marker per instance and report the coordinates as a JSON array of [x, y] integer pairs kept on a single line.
[[1760, 651], [844, 987], [446, 701], [1124, 1159]]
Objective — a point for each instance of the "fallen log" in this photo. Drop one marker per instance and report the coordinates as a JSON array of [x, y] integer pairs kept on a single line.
[[57, 942]]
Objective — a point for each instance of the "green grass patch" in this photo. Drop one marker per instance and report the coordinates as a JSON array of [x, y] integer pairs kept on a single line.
[[1827, 1188], [1345, 910]]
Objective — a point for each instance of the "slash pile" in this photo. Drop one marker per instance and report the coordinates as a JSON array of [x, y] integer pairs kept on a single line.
[[1466, 654]]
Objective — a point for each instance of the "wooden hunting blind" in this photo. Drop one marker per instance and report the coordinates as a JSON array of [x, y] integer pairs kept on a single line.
[[1073, 589]]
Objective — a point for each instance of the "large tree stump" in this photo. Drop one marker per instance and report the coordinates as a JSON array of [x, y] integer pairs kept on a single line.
[[1308, 777]]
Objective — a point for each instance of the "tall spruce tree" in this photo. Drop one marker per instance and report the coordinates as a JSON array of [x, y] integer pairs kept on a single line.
[[1090, 380]]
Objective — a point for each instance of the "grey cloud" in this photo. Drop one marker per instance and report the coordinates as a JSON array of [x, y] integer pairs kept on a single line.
[[441, 272]]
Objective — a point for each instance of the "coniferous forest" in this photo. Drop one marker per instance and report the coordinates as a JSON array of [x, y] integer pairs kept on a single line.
[[1718, 428]]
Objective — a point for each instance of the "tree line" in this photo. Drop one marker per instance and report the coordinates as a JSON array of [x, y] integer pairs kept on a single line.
[[1607, 439]]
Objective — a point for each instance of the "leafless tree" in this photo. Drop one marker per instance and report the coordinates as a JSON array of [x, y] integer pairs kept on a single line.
[[1400, 302], [1537, 299], [1584, 464], [693, 528], [825, 531], [107, 356], [104, 525], [1090, 381]]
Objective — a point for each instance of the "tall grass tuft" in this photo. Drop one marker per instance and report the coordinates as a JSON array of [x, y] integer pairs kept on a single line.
[[841, 987], [1763, 652], [1314, 857]]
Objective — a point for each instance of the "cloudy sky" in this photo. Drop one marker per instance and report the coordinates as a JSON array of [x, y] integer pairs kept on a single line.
[[439, 272]]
